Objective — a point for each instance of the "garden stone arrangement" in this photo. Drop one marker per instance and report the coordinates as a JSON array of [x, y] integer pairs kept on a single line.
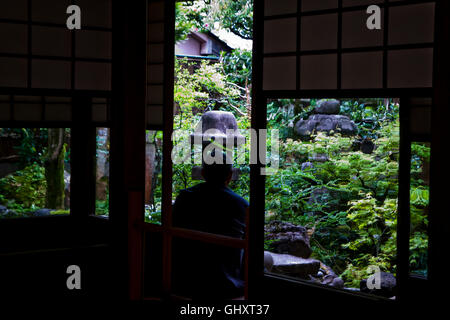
[[292, 252], [326, 119]]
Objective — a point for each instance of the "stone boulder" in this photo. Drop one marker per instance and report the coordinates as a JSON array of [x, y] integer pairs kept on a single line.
[[294, 266], [387, 285], [328, 107], [268, 261], [288, 238], [42, 213], [327, 276], [325, 123], [3, 210]]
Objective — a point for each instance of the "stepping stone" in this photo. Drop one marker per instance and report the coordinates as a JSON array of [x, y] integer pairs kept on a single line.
[[294, 266]]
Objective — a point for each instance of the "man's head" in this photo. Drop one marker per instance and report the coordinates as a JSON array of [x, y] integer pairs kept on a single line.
[[219, 172]]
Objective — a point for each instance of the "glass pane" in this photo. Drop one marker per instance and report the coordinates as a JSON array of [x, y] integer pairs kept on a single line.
[[102, 172], [419, 207], [34, 172], [153, 176], [331, 207]]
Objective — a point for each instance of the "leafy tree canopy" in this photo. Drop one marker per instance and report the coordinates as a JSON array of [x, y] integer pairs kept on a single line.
[[235, 16]]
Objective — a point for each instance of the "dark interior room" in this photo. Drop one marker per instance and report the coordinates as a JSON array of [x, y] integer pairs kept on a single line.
[[260, 158]]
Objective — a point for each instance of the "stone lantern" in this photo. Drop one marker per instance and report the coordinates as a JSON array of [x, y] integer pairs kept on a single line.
[[219, 127]]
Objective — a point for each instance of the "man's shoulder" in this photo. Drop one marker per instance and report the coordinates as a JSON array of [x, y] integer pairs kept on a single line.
[[240, 200]]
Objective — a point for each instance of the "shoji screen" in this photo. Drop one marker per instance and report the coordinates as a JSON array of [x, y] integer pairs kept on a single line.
[[157, 65], [40, 56], [326, 45]]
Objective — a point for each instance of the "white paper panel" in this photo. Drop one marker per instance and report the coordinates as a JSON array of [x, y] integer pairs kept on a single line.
[[13, 38], [279, 73], [93, 44], [411, 24], [18, 11], [309, 5], [362, 70], [274, 7], [155, 94], [319, 32], [50, 74], [50, 11], [156, 11], [318, 72], [280, 35], [155, 73], [410, 68], [28, 111], [351, 3], [51, 41], [156, 53], [99, 112], [5, 111], [58, 112], [16, 69], [156, 32], [154, 115], [354, 31], [96, 13], [420, 120], [92, 76]]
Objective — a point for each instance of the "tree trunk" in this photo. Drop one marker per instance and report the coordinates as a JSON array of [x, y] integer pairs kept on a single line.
[[54, 169]]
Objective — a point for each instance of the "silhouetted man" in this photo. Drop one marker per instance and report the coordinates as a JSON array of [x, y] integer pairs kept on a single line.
[[203, 270]]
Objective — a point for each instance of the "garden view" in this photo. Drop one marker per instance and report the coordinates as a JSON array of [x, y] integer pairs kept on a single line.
[[333, 201]]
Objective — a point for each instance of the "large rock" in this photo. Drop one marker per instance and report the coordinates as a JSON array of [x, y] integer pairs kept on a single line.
[[328, 107], [42, 213], [288, 238], [387, 285], [325, 123], [327, 276], [294, 266], [3, 210]]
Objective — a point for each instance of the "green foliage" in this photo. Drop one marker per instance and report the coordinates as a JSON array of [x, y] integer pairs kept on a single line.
[[237, 65], [25, 190], [235, 16]]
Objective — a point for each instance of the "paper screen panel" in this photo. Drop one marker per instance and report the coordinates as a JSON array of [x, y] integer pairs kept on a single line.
[[319, 32], [362, 70], [410, 68], [13, 38], [356, 35], [18, 11], [279, 73], [312, 5], [154, 115], [13, 71], [93, 76], [318, 72], [277, 7], [51, 41], [93, 44], [280, 35], [411, 24]]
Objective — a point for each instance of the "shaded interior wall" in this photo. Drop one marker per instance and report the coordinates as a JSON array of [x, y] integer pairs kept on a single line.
[[36, 252]]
